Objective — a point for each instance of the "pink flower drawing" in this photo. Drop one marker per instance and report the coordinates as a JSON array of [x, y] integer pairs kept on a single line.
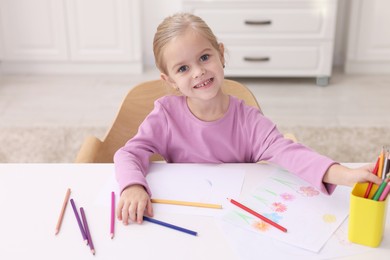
[[308, 191], [279, 207], [287, 196]]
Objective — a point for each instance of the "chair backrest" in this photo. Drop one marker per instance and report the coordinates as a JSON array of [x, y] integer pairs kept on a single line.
[[139, 102]]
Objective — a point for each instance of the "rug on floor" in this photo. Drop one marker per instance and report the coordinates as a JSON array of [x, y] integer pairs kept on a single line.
[[61, 144]]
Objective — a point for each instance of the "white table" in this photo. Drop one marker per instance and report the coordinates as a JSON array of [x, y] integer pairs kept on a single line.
[[31, 196]]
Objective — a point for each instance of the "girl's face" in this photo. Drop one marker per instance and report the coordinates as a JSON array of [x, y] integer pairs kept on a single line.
[[194, 66]]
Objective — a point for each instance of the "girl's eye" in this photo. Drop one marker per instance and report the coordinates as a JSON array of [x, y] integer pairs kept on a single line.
[[204, 57], [183, 68]]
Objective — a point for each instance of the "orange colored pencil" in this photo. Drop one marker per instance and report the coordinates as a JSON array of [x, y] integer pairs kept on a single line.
[[381, 161], [187, 203], [59, 222]]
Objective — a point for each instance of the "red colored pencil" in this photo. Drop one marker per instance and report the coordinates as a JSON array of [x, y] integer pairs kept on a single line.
[[238, 204], [375, 171]]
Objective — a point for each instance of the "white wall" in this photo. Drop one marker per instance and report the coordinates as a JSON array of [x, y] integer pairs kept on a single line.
[[154, 11], [340, 44]]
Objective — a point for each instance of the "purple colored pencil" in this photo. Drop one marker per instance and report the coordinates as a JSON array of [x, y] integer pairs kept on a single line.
[[88, 234], [79, 221], [112, 227]]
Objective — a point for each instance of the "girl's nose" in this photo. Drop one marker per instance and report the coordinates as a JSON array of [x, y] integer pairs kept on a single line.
[[198, 72]]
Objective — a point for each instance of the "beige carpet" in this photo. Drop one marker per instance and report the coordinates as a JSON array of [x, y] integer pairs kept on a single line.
[[60, 144]]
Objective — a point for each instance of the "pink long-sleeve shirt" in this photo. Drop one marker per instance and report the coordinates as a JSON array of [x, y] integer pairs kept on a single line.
[[242, 135]]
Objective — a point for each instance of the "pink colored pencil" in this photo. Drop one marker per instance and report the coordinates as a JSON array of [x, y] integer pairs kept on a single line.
[[59, 222], [112, 227], [87, 233]]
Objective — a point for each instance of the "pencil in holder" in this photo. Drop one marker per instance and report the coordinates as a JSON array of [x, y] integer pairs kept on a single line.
[[367, 217]]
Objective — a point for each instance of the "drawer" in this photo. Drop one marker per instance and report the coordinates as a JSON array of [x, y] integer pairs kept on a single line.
[[304, 22], [278, 60]]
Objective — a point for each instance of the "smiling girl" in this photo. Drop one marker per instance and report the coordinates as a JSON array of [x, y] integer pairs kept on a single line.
[[204, 125]]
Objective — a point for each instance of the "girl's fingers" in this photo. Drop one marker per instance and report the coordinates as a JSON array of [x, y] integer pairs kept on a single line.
[[125, 214], [375, 179], [133, 211], [119, 210], [140, 211], [149, 209]]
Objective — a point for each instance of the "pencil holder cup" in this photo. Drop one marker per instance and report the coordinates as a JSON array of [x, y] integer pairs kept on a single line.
[[367, 217]]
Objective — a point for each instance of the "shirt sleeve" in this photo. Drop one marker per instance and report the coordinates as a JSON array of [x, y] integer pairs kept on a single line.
[[132, 160], [270, 145]]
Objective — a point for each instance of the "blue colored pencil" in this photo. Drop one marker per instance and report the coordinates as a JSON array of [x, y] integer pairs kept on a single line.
[[158, 222]]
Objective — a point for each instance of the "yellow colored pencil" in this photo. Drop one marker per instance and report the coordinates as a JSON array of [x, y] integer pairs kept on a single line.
[[187, 203]]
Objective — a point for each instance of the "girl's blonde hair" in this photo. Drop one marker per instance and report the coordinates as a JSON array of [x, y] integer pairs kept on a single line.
[[174, 26]]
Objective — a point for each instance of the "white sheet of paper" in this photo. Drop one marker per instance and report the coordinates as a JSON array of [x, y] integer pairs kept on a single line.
[[205, 183], [249, 245], [309, 216]]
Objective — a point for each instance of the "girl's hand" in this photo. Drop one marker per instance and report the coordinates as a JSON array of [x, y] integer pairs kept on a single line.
[[133, 203], [341, 175]]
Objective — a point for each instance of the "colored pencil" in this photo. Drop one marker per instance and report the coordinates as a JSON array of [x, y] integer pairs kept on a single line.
[[79, 221], [158, 222], [387, 169], [385, 192], [369, 187], [238, 204], [385, 164], [87, 232], [112, 226], [187, 203], [59, 222], [379, 191], [381, 160]]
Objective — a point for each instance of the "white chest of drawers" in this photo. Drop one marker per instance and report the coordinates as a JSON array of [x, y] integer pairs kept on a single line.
[[263, 38]]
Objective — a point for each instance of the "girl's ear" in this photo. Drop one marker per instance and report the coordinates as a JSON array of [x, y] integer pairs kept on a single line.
[[168, 80]]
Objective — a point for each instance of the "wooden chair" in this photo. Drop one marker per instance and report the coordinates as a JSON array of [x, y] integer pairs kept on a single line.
[[138, 103]]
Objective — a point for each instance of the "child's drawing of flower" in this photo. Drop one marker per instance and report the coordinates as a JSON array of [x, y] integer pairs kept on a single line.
[[287, 196], [275, 217], [329, 218], [261, 225], [308, 191], [279, 207]]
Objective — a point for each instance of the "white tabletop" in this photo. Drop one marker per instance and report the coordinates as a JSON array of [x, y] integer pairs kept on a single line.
[[31, 196]]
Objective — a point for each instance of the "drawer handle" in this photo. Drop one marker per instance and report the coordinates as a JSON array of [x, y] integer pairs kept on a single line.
[[260, 22], [257, 59]]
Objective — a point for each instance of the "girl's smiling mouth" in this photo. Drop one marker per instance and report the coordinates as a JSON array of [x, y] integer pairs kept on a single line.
[[204, 84]]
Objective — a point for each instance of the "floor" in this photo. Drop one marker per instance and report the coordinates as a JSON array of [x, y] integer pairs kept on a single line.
[[349, 100]]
